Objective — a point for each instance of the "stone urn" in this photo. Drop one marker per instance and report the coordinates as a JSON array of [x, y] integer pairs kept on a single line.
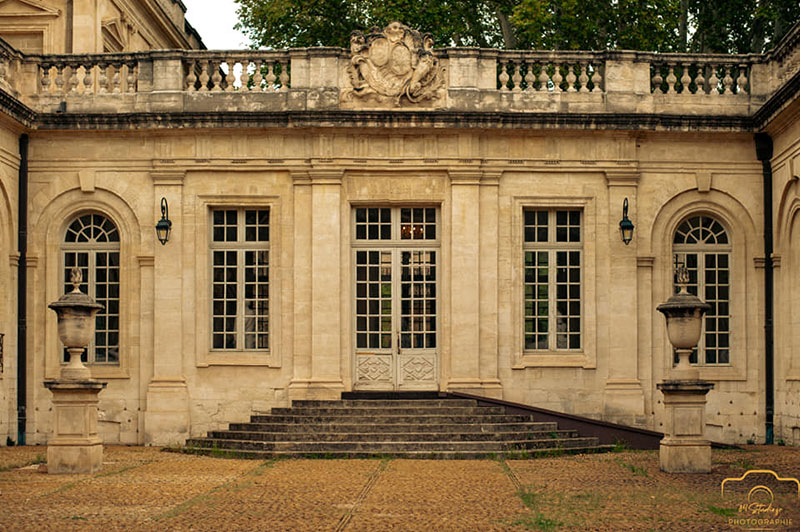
[[75, 446], [76, 312], [684, 313], [684, 448]]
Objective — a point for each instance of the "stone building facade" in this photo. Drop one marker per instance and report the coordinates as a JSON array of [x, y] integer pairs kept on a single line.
[[396, 216]]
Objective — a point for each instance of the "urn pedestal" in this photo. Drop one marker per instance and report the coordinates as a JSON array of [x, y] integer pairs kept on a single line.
[[74, 446], [684, 448]]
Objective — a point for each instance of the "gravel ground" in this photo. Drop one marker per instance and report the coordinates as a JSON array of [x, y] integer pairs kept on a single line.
[[143, 488]]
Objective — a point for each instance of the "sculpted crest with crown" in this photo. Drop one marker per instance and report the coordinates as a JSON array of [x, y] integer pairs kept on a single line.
[[394, 66]]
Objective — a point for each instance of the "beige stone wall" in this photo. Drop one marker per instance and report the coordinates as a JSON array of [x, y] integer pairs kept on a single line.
[[170, 384], [786, 211], [9, 172], [62, 26]]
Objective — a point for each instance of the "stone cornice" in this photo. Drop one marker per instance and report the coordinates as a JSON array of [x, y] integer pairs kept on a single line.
[[391, 119], [782, 97], [17, 110]]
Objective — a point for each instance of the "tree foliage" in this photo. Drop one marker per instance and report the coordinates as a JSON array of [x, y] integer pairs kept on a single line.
[[720, 26]]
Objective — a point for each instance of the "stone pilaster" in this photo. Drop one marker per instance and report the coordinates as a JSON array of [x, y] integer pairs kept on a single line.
[[318, 321], [624, 397], [465, 282], [166, 419]]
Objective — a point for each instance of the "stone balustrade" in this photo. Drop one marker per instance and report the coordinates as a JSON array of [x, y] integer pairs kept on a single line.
[[549, 71], [87, 74], [233, 71], [482, 80]]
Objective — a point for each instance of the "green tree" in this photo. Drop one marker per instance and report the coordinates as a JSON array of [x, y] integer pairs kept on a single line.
[[721, 26], [293, 23]]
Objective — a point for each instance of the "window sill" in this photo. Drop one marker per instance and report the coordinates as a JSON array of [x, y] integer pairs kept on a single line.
[[238, 358], [553, 359]]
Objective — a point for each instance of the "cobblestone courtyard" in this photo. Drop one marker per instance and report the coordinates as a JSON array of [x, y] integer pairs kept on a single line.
[[146, 489]]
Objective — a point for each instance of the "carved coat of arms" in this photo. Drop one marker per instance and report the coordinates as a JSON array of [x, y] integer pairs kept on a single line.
[[394, 66]]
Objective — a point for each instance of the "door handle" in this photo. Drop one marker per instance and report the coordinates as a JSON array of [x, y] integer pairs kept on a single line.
[[398, 343]]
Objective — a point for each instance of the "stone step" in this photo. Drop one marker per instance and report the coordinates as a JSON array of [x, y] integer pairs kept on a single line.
[[389, 419], [347, 426], [383, 447], [368, 425], [412, 455], [392, 436], [372, 403], [390, 411]]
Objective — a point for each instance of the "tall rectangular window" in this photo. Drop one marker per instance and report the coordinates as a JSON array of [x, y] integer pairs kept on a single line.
[[552, 255], [240, 279]]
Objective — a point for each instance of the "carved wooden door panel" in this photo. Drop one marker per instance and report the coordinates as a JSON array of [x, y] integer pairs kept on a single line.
[[396, 321]]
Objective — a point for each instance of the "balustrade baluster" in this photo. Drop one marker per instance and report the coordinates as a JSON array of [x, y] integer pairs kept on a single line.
[[516, 79], [116, 78], [284, 78], [597, 79], [727, 81], [557, 78], [216, 77], [230, 78], [204, 76], [713, 81], [504, 77], [88, 79], [741, 80], [544, 77], [571, 78], [102, 78], [530, 78], [258, 77], [583, 79], [191, 77], [60, 78], [686, 80], [671, 79], [45, 82], [271, 77], [72, 80], [657, 80], [133, 74], [699, 80]]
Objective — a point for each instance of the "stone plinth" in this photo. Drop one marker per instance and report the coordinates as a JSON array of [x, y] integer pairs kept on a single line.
[[684, 448], [74, 446]]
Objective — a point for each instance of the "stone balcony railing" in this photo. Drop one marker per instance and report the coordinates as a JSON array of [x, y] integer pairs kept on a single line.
[[482, 80]]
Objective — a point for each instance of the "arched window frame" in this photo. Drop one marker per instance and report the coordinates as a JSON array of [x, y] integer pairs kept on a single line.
[[701, 243], [92, 242]]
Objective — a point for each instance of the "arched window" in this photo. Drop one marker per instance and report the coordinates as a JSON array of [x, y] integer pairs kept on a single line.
[[92, 244], [701, 244]]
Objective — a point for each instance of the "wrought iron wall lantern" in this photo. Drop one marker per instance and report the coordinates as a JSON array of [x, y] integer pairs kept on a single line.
[[626, 225], [164, 225]]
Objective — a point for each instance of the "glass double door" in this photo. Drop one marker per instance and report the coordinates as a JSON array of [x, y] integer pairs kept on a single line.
[[396, 318]]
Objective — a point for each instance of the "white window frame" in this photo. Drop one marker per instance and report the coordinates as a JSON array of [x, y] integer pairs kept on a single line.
[[552, 247], [701, 250], [89, 283], [586, 356], [200, 238], [241, 247]]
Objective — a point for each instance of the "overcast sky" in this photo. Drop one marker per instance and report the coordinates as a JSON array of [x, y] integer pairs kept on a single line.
[[215, 24]]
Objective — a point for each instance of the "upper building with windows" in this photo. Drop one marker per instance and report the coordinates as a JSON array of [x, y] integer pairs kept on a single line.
[[390, 217]]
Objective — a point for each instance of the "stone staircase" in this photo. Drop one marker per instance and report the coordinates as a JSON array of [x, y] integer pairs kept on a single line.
[[423, 426]]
